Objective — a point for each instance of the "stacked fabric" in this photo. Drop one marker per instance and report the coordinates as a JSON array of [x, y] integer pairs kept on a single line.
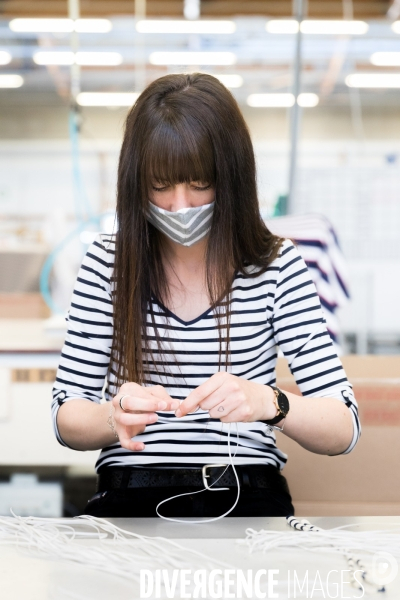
[[318, 244]]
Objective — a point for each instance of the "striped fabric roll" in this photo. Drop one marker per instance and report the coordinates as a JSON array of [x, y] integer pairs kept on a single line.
[[318, 244], [278, 308]]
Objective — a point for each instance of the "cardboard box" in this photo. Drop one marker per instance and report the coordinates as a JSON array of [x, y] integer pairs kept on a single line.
[[366, 481]]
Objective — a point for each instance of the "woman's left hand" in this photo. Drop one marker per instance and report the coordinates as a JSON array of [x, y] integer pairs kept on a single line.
[[231, 399]]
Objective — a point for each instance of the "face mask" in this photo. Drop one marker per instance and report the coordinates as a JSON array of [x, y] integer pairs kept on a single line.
[[185, 226]]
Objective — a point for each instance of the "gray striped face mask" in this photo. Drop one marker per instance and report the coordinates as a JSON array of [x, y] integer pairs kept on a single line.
[[186, 226]]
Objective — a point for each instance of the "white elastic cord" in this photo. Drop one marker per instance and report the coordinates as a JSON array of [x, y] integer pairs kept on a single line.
[[337, 540], [205, 489]]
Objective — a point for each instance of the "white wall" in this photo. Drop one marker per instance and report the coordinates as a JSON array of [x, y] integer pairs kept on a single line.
[[352, 182]]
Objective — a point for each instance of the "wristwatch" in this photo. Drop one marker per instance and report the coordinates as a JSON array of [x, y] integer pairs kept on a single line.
[[282, 406]]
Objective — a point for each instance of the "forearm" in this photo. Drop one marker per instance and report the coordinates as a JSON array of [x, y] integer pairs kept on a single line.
[[83, 424], [321, 425]]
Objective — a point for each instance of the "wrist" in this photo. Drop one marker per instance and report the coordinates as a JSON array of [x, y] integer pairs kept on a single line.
[[269, 410], [111, 420], [281, 404]]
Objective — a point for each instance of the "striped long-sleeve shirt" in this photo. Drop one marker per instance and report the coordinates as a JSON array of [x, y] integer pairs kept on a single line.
[[278, 308]]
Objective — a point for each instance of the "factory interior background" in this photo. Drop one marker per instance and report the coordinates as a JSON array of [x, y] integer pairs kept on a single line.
[[318, 83]]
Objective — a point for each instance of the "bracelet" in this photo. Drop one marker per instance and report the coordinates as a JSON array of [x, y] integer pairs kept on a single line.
[[279, 428], [111, 422]]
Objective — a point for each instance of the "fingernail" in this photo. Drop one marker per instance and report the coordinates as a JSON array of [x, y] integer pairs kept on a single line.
[[162, 405], [178, 413], [141, 447]]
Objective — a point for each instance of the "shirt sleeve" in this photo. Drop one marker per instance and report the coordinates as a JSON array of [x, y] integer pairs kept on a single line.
[[300, 331], [86, 352]]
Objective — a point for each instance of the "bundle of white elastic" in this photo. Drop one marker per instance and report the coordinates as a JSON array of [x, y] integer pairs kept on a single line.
[[355, 546], [116, 551]]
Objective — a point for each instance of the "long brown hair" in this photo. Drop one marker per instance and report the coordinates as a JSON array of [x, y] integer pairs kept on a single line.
[[182, 128]]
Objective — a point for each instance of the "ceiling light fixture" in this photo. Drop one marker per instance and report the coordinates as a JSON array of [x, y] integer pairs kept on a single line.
[[270, 100], [229, 80], [107, 98], [11, 81], [54, 58], [317, 27], [306, 100], [192, 58], [99, 59], [60, 25], [386, 59], [5, 57], [282, 26], [327, 27], [181, 26], [373, 80], [396, 26]]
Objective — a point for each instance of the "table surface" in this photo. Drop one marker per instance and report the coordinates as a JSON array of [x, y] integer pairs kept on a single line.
[[29, 577]]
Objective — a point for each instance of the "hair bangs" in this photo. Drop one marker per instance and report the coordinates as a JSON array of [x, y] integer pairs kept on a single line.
[[178, 153]]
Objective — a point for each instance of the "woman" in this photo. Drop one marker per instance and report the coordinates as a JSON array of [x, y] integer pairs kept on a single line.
[[182, 312]]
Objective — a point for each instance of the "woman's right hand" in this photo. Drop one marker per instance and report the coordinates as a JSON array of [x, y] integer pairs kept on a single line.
[[140, 406]]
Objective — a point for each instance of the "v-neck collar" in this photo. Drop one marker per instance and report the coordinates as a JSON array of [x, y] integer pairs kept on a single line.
[[173, 315], [187, 323]]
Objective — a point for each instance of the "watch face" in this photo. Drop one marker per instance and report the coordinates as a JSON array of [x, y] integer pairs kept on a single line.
[[283, 403]]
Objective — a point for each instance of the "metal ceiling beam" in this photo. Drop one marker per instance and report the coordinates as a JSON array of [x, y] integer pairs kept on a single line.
[[299, 13]]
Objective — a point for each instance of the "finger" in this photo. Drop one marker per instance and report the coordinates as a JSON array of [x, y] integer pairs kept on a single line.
[[131, 444], [129, 419], [137, 403], [159, 391], [195, 398], [223, 409], [163, 395], [242, 414], [220, 395]]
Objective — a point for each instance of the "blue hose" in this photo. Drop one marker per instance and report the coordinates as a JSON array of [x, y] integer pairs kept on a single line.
[[82, 208]]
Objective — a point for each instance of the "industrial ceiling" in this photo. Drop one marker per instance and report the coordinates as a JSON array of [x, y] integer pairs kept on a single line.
[[327, 9]]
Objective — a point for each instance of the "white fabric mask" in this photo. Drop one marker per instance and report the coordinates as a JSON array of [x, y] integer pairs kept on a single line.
[[186, 226]]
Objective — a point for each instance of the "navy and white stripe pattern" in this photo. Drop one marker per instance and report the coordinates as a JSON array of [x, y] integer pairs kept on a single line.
[[318, 244], [278, 308]]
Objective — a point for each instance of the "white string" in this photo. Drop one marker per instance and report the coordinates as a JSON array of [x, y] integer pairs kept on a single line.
[[205, 489], [122, 555], [337, 540]]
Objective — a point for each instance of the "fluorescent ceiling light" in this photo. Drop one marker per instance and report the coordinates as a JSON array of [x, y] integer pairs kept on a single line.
[[327, 27], [229, 80], [42, 25], [386, 59], [54, 58], [98, 58], [80, 58], [281, 100], [192, 58], [181, 26], [93, 25], [5, 57], [318, 27], [270, 100], [396, 26], [373, 80], [11, 81], [107, 98], [307, 100], [282, 26], [61, 25]]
